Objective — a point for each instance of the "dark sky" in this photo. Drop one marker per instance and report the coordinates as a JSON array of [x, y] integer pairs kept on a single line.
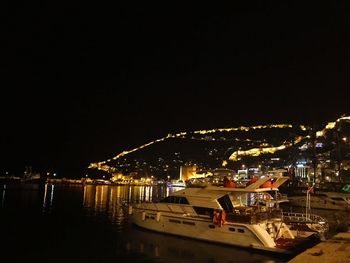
[[83, 81]]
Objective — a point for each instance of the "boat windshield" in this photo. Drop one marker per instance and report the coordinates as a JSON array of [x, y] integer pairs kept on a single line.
[[226, 203]]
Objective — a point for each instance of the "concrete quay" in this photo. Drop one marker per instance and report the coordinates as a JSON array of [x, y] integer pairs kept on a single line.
[[333, 250]]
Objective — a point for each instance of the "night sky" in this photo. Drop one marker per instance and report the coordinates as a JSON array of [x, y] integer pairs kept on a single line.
[[83, 81]]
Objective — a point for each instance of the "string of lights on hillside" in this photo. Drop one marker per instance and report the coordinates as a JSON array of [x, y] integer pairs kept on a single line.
[[244, 128], [237, 154], [104, 166]]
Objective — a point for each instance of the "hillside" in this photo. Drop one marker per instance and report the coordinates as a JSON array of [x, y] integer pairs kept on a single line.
[[266, 146]]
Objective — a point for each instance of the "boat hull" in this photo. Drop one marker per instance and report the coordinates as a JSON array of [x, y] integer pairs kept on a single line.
[[242, 235], [319, 203]]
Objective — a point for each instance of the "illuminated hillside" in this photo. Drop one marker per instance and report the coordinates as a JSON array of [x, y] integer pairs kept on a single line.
[[218, 147]]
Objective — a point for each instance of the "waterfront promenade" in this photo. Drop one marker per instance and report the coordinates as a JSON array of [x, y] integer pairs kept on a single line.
[[333, 250]]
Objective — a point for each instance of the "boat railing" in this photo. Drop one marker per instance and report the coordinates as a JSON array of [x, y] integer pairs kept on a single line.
[[303, 218], [253, 215], [315, 222]]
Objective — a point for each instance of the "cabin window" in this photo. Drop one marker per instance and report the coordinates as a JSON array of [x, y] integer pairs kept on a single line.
[[175, 221], [240, 230], [204, 211], [232, 229], [337, 199], [226, 203], [188, 223], [175, 200]]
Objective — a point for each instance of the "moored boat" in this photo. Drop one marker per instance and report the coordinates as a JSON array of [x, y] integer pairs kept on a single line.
[[322, 200], [231, 216]]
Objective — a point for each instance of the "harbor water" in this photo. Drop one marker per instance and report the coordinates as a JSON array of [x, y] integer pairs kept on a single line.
[[77, 223]]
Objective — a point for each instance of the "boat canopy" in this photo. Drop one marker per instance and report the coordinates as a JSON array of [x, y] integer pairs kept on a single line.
[[202, 197]]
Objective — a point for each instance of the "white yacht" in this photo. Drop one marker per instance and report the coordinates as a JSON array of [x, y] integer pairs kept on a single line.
[[323, 200], [247, 222]]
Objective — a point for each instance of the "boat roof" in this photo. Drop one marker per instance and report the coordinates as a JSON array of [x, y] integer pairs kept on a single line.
[[256, 186], [201, 197], [199, 192], [210, 194]]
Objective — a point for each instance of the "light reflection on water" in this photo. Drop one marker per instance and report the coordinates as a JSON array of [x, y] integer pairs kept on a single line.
[[96, 218], [113, 200]]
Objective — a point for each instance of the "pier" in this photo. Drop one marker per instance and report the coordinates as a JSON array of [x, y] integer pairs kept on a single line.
[[333, 250]]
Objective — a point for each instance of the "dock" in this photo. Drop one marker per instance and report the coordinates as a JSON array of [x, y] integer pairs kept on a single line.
[[333, 250]]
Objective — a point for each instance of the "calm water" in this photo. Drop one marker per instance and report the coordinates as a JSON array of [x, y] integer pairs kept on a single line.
[[74, 223]]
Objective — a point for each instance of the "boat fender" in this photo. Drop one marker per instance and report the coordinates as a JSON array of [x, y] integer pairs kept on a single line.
[[158, 216], [130, 210], [143, 216], [216, 217], [219, 218], [222, 218]]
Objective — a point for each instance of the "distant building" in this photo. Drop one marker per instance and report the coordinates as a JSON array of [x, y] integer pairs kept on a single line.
[[302, 171], [222, 172], [187, 172]]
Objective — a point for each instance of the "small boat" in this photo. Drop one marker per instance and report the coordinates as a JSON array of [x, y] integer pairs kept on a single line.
[[177, 183], [231, 216]]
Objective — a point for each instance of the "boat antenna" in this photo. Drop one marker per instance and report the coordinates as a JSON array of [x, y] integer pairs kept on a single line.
[[308, 201]]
